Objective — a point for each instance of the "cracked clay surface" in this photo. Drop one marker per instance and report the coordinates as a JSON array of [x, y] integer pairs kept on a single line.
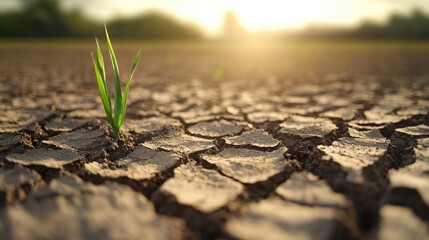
[[338, 149]]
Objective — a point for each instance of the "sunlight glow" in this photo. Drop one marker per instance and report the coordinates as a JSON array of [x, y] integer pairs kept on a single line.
[[254, 15], [274, 14], [263, 15]]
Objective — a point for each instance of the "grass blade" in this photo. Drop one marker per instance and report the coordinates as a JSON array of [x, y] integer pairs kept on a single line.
[[127, 87], [124, 104], [101, 69], [117, 85], [100, 61], [103, 92], [100, 64], [135, 62]]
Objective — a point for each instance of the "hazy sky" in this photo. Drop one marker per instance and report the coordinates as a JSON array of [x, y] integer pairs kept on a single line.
[[254, 15]]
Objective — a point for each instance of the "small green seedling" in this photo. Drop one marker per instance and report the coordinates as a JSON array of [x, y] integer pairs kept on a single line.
[[218, 74], [115, 116]]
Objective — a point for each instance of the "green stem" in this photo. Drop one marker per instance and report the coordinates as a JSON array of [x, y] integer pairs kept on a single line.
[[116, 133]]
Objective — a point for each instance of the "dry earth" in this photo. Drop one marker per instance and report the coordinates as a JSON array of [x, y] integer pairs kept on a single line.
[[307, 143]]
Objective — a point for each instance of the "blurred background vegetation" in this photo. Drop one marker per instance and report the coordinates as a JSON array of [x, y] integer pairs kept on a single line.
[[47, 19], [414, 26]]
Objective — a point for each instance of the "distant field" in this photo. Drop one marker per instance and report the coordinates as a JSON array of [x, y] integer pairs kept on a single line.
[[54, 62], [255, 45]]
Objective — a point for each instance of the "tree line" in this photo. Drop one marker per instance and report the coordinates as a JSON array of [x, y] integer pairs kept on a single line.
[[414, 26], [46, 19]]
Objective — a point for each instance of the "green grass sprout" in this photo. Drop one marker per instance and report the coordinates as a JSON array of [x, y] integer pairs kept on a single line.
[[115, 116], [218, 74]]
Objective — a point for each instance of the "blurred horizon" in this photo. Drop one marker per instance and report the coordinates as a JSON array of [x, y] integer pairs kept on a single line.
[[202, 19]]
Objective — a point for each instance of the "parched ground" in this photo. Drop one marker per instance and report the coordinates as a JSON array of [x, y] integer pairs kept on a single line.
[[290, 142]]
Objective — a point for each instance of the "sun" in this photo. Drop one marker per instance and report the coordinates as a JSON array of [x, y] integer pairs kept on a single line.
[[271, 14]]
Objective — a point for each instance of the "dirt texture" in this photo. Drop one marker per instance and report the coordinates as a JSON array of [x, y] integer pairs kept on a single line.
[[288, 144]]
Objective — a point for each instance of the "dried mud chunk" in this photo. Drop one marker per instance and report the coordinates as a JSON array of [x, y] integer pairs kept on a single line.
[[31, 102], [306, 90], [256, 138], [25, 116], [232, 110], [66, 186], [16, 120], [162, 97], [151, 125], [88, 113], [415, 131], [81, 140], [10, 127], [213, 118], [422, 102], [412, 180], [356, 152], [305, 188], [398, 223], [89, 142], [45, 157], [177, 141], [419, 168], [365, 127], [379, 115], [257, 107], [216, 129], [139, 93], [142, 163], [424, 142], [399, 99], [422, 150], [412, 111], [71, 209], [13, 181], [200, 115], [69, 102], [414, 176], [295, 100], [345, 113], [64, 124], [276, 219], [248, 166], [306, 127], [331, 99], [177, 106], [8, 140], [303, 110], [266, 116], [370, 135], [203, 189]]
